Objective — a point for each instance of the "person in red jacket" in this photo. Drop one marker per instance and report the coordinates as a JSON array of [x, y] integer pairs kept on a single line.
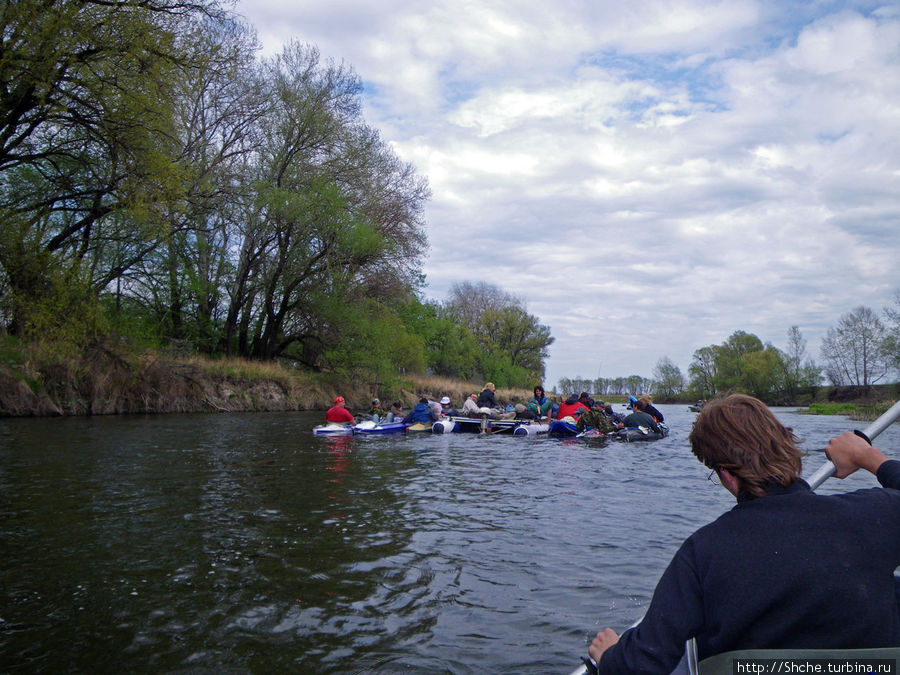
[[339, 413], [571, 407]]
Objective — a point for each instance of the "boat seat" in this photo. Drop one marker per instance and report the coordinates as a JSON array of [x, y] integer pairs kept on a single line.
[[795, 660]]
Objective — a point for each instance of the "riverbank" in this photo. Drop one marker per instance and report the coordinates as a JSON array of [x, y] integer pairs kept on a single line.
[[107, 381], [103, 381]]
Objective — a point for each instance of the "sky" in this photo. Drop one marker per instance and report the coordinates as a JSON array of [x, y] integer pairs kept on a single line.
[[648, 176]]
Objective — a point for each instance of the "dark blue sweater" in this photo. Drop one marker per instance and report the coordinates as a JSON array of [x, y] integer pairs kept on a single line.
[[792, 569]]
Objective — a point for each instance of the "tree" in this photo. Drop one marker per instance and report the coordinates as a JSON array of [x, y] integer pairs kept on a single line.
[[703, 372], [669, 379], [740, 364], [799, 372], [762, 375], [450, 349], [853, 350], [467, 302], [218, 103], [519, 335], [513, 343], [332, 213], [85, 139]]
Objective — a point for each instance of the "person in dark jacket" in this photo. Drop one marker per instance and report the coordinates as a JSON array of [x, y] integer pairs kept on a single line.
[[786, 567], [650, 410], [486, 399]]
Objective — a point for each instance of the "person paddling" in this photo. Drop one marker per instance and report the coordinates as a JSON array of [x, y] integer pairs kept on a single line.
[[786, 567]]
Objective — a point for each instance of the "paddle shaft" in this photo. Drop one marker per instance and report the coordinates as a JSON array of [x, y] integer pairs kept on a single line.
[[822, 474], [826, 471]]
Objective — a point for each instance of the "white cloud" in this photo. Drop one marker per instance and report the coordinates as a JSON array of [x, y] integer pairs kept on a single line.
[[649, 176]]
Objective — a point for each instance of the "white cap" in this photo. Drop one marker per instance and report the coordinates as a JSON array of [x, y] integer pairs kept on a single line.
[[445, 400]]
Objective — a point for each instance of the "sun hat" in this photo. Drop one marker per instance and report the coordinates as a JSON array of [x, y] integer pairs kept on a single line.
[[445, 400], [375, 401]]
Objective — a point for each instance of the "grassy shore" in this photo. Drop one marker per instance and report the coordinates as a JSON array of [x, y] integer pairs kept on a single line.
[[104, 381], [865, 413]]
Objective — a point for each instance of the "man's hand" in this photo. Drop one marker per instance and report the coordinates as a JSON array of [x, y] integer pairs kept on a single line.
[[601, 643], [849, 452]]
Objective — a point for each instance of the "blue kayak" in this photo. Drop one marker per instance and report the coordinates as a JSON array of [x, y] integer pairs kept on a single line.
[[560, 428], [369, 428]]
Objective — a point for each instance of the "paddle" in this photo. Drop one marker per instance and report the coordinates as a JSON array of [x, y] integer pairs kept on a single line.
[[823, 473]]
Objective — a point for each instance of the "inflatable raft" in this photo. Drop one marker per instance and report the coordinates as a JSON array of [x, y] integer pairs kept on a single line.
[[639, 434]]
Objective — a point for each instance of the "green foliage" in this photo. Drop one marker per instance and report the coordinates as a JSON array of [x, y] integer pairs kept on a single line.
[[132, 322], [742, 364], [831, 408], [64, 319], [450, 350], [12, 352], [373, 345], [498, 367]]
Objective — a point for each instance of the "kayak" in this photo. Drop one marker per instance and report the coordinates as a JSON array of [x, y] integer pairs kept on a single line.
[[333, 429], [369, 428]]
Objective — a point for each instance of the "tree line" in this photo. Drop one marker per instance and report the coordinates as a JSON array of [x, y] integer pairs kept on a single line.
[[162, 185], [861, 350]]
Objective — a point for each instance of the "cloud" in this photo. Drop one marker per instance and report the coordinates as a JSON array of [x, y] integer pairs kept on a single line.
[[650, 176]]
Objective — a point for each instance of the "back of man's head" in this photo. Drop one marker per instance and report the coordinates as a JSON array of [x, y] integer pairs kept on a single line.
[[740, 434]]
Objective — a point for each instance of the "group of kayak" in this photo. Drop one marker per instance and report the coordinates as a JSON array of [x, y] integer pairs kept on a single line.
[[579, 416]]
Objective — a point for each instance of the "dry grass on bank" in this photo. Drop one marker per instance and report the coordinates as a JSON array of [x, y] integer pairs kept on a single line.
[[37, 380]]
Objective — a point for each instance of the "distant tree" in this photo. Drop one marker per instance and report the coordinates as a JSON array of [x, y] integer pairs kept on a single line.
[[763, 375], [799, 372], [740, 364], [450, 349], [669, 379], [511, 340], [730, 361], [468, 301], [853, 350], [518, 334], [703, 372]]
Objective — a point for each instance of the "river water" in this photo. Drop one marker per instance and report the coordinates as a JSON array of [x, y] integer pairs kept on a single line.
[[243, 544]]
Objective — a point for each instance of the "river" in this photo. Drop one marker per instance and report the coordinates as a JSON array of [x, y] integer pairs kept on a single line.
[[240, 543]]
